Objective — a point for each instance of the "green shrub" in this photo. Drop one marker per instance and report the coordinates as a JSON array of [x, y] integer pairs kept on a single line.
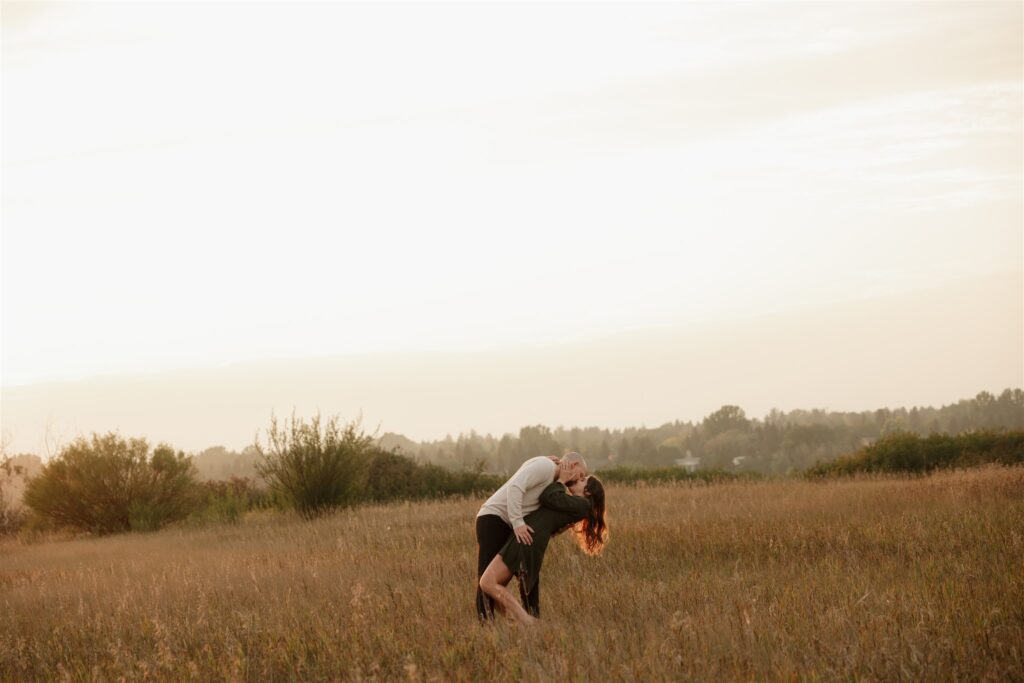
[[438, 481], [393, 476], [653, 475], [12, 519], [315, 468], [110, 484], [227, 501], [907, 452]]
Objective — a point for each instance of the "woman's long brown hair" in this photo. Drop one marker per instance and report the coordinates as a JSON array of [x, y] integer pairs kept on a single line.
[[592, 531]]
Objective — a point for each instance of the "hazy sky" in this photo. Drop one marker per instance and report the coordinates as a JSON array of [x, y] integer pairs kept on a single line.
[[193, 184]]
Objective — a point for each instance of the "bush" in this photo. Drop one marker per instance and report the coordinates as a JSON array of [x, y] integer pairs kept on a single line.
[[439, 481], [111, 484], [907, 452], [315, 468], [12, 519], [227, 501], [655, 475], [393, 476]]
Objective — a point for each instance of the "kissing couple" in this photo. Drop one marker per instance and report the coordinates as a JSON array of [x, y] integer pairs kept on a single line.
[[546, 496]]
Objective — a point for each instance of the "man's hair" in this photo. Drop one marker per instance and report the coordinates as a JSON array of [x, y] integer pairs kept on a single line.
[[573, 456]]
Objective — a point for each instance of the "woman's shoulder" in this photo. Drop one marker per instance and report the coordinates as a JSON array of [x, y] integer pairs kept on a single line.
[[555, 487], [559, 502]]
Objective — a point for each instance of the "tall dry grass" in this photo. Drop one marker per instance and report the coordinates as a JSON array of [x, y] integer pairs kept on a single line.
[[866, 579]]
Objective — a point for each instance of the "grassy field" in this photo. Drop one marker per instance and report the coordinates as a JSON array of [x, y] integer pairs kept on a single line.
[[866, 579]]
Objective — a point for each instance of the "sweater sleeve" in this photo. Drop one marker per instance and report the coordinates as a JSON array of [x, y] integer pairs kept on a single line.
[[557, 497], [534, 472]]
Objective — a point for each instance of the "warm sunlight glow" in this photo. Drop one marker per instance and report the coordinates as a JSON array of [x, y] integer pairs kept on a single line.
[[191, 185]]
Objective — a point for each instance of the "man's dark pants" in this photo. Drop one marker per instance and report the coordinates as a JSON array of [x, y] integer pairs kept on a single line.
[[491, 534]]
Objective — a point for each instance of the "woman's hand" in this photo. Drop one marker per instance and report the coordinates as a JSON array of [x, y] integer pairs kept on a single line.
[[566, 473]]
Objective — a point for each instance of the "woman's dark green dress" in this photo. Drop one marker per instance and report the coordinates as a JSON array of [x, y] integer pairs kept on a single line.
[[558, 508]]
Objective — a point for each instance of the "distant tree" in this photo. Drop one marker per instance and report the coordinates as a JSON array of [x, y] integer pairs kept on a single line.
[[469, 452], [643, 449], [1009, 409], [807, 436], [220, 464], [625, 453], [667, 452], [575, 439], [537, 440], [315, 467], [725, 419], [508, 454], [721, 450], [110, 484], [894, 424]]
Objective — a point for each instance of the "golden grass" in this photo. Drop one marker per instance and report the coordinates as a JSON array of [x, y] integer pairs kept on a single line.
[[867, 579]]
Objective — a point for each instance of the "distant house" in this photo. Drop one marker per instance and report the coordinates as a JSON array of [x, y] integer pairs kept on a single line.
[[738, 459], [689, 463]]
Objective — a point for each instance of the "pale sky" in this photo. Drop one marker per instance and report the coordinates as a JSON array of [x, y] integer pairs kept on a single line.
[[189, 185]]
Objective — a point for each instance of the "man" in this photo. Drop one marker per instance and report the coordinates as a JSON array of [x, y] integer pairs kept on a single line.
[[503, 514]]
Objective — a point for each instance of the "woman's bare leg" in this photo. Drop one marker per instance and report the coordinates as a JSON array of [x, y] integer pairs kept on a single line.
[[493, 582]]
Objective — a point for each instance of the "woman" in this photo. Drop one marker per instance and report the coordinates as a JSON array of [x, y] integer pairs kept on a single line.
[[580, 505]]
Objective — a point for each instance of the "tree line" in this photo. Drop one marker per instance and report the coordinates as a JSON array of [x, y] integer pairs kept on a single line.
[[110, 483], [726, 440]]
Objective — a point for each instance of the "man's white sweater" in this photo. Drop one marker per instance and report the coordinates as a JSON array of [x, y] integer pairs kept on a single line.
[[520, 495]]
